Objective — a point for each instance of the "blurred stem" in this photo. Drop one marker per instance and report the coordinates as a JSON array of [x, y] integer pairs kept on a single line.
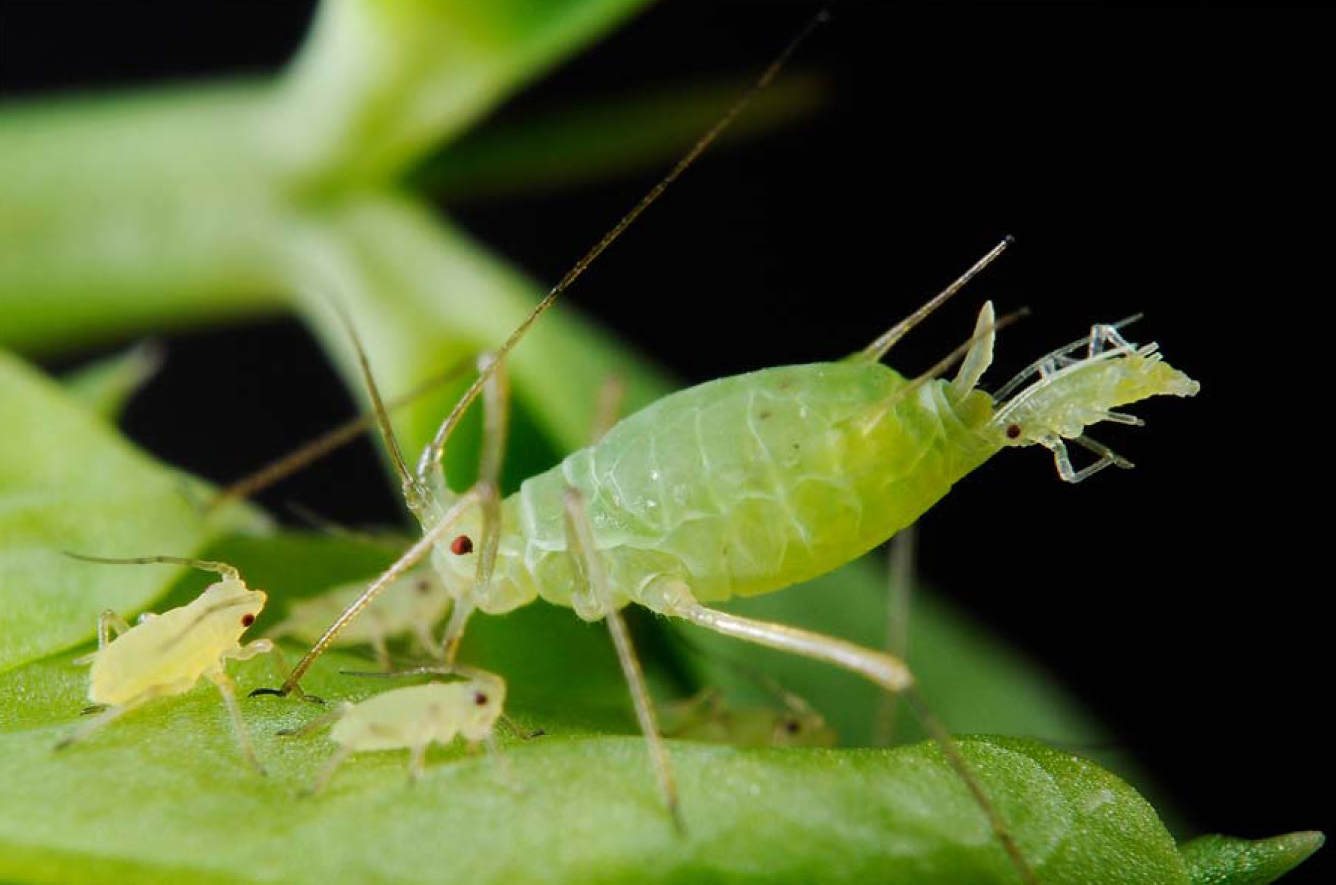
[[173, 206]]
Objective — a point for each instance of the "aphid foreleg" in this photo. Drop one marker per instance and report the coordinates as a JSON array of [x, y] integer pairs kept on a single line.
[[883, 669], [229, 692], [503, 766], [496, 408], [411, 557], [580, 540]]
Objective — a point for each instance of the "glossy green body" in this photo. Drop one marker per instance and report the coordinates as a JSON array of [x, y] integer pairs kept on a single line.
[[740, 486]]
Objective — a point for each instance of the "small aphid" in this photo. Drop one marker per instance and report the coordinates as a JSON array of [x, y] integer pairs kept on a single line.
[[414, 718], [412, 605], [707, 717], [167, 654]]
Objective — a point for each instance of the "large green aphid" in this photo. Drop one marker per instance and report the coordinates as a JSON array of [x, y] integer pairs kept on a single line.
[[735, 487]]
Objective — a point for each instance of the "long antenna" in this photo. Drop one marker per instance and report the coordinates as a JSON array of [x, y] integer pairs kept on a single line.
[[877, 349], [431, 456], [328, 441]]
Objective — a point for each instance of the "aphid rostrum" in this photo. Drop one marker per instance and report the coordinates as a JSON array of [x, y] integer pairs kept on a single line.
[[167, 654], [745, 485]]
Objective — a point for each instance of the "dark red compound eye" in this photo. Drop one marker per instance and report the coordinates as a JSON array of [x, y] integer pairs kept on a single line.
[[247, 619], [480, 698], [461, 545], [1013, 431]]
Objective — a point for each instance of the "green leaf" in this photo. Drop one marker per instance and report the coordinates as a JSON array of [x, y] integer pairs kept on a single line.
[[1224, 860], [106, 385], [161, 795], [68, 481]]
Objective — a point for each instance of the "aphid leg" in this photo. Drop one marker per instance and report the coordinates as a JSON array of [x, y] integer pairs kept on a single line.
[[518, 732], [410, 558], [382, 652], [111, 714], [496, 409], [886, 671], [899, 599], [340, 756], [417, 761], [1063, 461], [108, 623], [229, 692], [607, 407], [319, 722], [580, 538], [503, 766], [422, 633]]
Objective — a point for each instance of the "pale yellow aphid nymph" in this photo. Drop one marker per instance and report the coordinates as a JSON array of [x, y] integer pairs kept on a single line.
[[414, 718], [412, 604], [168, 653]]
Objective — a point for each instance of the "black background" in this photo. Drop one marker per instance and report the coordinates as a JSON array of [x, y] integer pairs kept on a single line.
[[1157, 158]]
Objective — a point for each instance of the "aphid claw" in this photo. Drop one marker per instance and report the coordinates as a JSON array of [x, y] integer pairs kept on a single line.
[[278, 692]]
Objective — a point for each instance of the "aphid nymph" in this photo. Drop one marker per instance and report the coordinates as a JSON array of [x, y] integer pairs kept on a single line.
[[414, 718], [413, 605], [167, 654]]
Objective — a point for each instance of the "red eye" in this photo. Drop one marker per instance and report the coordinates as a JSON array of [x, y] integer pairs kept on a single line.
[[1013, 431], [461, 545], [480, 698], [247, 619]]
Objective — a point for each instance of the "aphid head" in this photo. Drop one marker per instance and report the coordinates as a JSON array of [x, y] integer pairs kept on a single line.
[[485, 699], [232, 603], [802, 729], [428, 594], [1074, 390]]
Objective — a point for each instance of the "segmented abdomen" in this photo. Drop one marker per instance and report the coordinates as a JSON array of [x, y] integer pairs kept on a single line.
[[737, 487]]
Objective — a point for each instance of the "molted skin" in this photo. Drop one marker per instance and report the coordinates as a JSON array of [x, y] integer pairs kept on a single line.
[[171, 651], [740, 486]]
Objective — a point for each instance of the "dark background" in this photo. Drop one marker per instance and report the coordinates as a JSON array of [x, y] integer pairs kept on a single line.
[[1157, 158]]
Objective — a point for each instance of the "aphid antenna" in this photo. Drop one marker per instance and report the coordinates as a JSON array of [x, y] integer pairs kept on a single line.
[[317, 448], [208, 565], [878, 348], [431, 456]]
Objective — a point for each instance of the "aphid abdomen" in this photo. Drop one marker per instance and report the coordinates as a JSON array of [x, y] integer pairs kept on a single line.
[[746, 484]]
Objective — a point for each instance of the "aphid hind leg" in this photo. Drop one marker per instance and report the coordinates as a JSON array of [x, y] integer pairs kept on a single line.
[[109, 715], [899, 600], [883, 669], [580, 539], [229, 692], [417, 761], [318, 723], [340, 756]]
